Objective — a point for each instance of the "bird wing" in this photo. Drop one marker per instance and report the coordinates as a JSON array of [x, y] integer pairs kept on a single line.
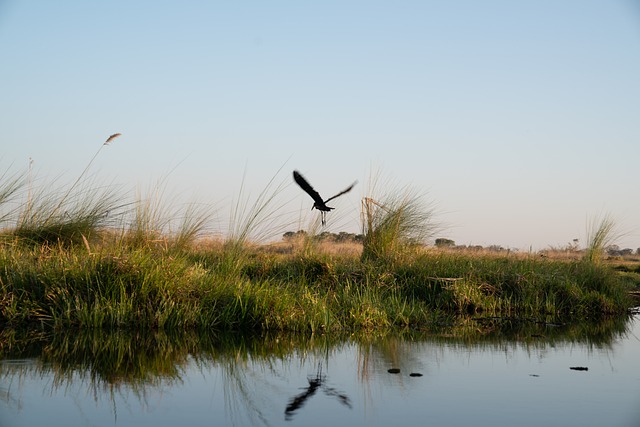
[[299, 179], [342, 192]]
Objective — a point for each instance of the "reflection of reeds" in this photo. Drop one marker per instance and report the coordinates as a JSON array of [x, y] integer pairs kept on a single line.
[[131, 364], [134, 363]]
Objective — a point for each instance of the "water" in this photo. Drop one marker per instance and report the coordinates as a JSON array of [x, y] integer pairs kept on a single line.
[[473, 373]]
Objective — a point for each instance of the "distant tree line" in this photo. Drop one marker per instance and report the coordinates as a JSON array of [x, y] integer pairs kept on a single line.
[[448, 243], [344, 237], [325, 236], [612, 250]]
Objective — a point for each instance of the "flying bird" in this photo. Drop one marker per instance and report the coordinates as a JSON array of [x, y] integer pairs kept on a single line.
[[318, 202], [111, 138]]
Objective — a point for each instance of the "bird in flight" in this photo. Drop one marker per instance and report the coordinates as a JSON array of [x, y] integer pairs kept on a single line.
[[318, 202]]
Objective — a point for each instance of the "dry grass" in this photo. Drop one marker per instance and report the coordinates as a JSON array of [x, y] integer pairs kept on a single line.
[[299, 245]]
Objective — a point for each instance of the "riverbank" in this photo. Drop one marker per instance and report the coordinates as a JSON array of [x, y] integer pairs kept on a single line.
[[299, 286]]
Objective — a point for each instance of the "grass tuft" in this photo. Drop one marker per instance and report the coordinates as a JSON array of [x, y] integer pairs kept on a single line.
[[601, 233], [394, 223]]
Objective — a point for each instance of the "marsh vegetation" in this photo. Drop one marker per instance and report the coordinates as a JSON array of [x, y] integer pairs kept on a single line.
[[81, 257]]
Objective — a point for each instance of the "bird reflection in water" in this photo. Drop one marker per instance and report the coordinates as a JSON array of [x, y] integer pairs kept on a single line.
[[316, 383]]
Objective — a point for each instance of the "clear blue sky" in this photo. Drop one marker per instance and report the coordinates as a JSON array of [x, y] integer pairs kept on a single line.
[[520, 120]]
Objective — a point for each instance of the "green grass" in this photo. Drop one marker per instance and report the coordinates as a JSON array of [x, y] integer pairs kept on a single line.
[[118, 286], [394, 222], [601, 232], [66, 263]]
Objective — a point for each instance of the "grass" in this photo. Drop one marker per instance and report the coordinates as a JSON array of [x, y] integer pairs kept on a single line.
[[145, 287], [67, 264], [150, 223], [394, 223], [601, 233]]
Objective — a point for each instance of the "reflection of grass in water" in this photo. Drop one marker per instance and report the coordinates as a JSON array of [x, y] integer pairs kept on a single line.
[[377, 353], [118, 357], [122, 362], [119, 362]]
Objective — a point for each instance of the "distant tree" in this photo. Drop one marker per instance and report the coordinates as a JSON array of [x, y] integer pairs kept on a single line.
[[324, 236], [344, 237], [613, 250], [445, 243], [290, 235]]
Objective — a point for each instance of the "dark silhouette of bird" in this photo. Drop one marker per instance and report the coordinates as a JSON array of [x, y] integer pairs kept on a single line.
[[318, 202]]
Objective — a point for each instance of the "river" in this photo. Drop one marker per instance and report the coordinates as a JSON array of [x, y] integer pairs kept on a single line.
[[473, 372]]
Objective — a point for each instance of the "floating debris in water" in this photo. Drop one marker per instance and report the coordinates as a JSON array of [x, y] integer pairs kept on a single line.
[[579, 368], [415, 374], [394, 371], [534, 375]]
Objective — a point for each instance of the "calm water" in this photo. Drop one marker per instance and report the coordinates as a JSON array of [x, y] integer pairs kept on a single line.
[[473, 373]]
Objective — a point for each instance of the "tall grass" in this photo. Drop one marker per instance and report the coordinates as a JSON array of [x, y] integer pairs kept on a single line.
[[49, 219], [138, 282], [66, 216], [139, 287], [394, 222], [253, 220], [157, 223], [10, 186], [258, 219], [601, 232]]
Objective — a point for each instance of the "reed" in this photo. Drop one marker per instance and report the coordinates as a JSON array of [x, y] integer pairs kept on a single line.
[[121, 286], [67, 216], [10, 186], [49, 220], [156, 278], [602, 231], [253, 221], [394, 222]]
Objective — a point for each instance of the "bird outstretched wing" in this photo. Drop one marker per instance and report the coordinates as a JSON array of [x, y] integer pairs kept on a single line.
[[299, 179], [342, 192]]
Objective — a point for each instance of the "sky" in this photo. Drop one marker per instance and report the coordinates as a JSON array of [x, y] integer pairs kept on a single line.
[[517, 122]]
